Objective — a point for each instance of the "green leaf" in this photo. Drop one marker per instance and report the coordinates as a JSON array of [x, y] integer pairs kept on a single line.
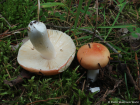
[[4, 93], [134, 35], [43, 18], [138, 30], [82, 11], [51, 4], [120, 1], [46, 14], [57, 14], [62, 17], [130, 29]]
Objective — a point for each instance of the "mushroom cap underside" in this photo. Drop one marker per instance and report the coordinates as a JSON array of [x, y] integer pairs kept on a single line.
[[30, 59]]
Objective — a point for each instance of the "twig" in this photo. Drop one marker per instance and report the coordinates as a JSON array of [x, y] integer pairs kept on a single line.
[[7, 72], [82, 91], [8, 33], [47, 100], [108, 92], [5, 20], [30, 100], [96, 2], [111, 47], [131, 78], [80, 77], [136, 58], [83, 85], [101, 70], [136, 11], [22, 93], [23, 75]]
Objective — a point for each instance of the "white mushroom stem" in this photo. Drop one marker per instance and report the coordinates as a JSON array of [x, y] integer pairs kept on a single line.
[[92, 74], [37, 32]]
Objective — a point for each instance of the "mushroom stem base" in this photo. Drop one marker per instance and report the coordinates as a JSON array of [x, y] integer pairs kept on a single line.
[[92, 74]]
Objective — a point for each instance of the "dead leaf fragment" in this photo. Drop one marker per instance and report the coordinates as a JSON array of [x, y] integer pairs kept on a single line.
[[23, 75]]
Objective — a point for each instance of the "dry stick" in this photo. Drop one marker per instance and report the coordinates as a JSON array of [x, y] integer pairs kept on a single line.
[[136, 58], [30, 99], [101, 70], [136, 11], [80, 77], [82, 91], [46, 100], [22, 93], [73, 33], [91, 32], [7, 72], [108, 92], [131, 78], [5, 20], [96, 20], [4, 34]]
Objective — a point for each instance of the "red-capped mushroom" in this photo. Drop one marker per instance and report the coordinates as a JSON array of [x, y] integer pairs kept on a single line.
[[90, 56]]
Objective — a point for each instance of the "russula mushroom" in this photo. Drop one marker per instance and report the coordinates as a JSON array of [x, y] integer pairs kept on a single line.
[[90, 56], [47, 52]]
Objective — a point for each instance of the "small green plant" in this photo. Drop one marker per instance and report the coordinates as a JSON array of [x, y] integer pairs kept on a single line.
[[134, 31]]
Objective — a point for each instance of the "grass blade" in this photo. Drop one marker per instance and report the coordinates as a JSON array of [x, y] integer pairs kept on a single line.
[[118, 26], [123, 4], [78, 13], [85, 11], [51, 4]]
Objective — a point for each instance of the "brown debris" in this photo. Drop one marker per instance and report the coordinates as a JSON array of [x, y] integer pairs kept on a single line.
[[23, 75], [125, 68], [108, 92], [50, 99], [11, 33]]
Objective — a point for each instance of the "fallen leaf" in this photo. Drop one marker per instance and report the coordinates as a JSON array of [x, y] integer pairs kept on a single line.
[[23, 75]]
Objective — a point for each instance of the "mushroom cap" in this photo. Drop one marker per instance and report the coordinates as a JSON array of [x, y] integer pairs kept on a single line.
[[30, 59], [91, 54]]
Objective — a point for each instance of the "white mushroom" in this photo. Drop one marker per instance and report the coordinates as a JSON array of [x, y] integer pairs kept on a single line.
[[48, 52]]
